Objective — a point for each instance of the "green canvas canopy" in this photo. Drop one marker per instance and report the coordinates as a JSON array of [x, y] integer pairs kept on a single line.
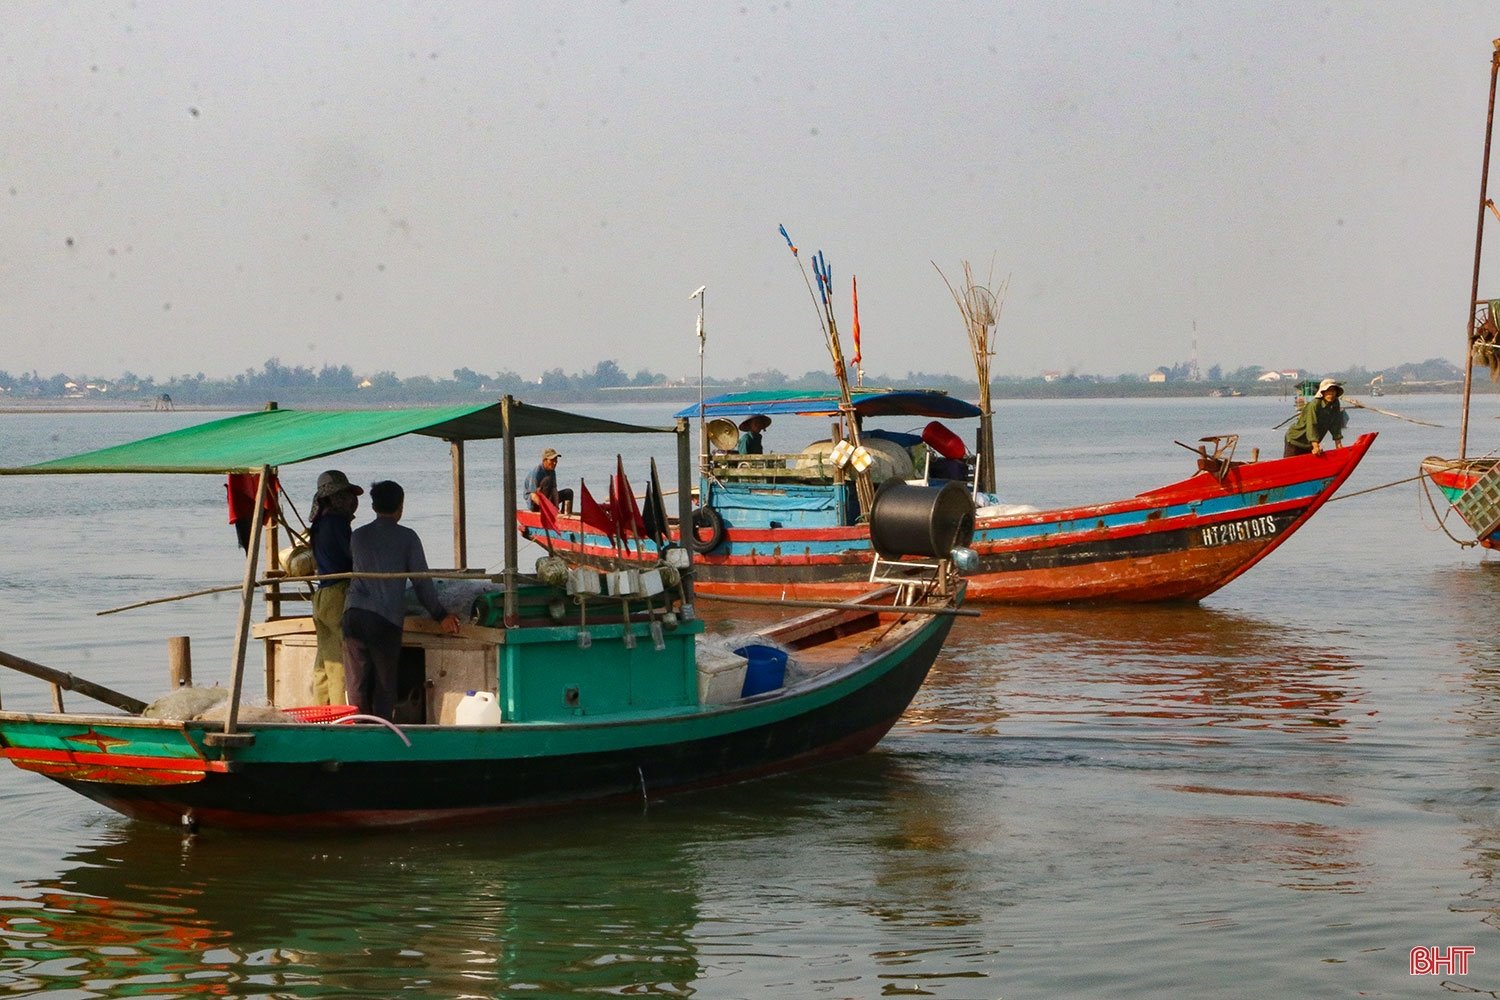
[[277, 437]]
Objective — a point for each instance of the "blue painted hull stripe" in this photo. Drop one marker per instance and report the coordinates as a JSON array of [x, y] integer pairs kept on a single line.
[[1216, 508]]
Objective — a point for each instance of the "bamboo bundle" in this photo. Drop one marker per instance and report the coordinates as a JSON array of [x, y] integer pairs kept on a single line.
[[980, 307]]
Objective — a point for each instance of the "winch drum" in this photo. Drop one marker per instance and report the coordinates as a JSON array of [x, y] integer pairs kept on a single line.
[[908, 520]]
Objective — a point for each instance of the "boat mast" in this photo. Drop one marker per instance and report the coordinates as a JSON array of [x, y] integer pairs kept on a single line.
[[1484, 177], [863, 488], [702, 343]]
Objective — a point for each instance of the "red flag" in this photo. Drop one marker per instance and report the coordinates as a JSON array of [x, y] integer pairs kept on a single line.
[[548, 512], [627, 512], [854, 282], [592, 514]]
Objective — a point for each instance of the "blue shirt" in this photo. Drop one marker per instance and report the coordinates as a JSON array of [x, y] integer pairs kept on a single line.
[[385, 546], [541, 480], [330, 545]]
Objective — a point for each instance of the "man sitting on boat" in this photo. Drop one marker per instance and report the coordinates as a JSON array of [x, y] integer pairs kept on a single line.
[[750, 431], [542, 481], [376, 608], [1320, 416]]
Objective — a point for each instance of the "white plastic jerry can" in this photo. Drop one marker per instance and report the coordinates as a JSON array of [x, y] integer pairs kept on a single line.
[[478, 708]]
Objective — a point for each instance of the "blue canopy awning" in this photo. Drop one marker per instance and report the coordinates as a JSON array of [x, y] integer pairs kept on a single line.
[[880, 403]]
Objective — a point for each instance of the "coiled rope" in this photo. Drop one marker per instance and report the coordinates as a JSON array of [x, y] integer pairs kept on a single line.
[[1442, 517], [1426, 480]]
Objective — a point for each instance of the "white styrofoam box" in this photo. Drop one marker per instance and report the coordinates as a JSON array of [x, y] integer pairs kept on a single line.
[[678, 558], [625, 583], [582, 580], [651, 584], [721, 675]]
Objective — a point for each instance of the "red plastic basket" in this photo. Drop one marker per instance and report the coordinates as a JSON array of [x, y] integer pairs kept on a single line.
[[320, 713]]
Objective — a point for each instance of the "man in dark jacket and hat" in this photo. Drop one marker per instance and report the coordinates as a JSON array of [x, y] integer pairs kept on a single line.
[[332, 522], [750, 429]]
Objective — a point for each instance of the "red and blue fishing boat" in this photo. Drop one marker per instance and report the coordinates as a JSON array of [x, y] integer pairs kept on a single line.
[[1471, 483], [794, 525], [560, 691]]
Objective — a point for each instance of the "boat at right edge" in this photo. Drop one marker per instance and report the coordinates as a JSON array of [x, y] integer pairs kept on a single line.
[[1472, 485]]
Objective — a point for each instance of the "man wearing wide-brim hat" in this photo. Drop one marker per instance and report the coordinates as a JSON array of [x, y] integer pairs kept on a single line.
[[334, 504], [1319, 417], [750, 429]]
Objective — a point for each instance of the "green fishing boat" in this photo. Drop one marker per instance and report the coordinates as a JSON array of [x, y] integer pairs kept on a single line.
[[604, 686]]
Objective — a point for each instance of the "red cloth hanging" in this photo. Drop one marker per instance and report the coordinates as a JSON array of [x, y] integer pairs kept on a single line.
[[240, 488]]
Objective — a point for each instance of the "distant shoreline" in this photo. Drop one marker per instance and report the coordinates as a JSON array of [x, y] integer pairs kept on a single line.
[[999, 393]]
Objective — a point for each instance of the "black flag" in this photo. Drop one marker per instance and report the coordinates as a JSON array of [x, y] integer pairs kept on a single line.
[[655, 512]]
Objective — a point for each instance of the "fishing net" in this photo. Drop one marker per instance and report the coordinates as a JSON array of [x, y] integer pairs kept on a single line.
[[1487, 337]]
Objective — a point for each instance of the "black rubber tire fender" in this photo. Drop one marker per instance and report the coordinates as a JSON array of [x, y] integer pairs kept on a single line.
[[711, 520]]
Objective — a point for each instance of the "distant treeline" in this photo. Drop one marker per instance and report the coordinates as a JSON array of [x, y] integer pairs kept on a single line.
[[330, 385]]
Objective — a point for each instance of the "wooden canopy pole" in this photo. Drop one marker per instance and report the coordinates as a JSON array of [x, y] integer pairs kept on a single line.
[[247, 600], [512, 557], [685, 510], [460, 510]]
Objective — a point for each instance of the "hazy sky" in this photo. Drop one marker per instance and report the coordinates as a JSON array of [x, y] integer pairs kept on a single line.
[[421, 186]]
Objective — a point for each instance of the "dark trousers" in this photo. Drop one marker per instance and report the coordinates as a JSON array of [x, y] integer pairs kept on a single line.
[[1293, 450], [372, 653], [563, 503]]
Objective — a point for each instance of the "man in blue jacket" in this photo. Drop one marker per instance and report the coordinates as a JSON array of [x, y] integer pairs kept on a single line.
[[375, 609]]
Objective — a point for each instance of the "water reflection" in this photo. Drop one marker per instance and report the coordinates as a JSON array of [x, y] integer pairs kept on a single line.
[[141, 912], [1472, 591], [856, 876], [1148, 699], [1114, 666]]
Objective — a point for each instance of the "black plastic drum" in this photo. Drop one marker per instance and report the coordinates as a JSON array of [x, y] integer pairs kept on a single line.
[[921, 520]]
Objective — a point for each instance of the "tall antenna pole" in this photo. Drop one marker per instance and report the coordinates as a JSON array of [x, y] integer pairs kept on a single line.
[[702, 341], [1484, 177]]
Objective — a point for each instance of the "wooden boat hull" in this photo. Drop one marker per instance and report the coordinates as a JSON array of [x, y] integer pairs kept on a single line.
[[1455, 477], [1181, 542], [299, 777]]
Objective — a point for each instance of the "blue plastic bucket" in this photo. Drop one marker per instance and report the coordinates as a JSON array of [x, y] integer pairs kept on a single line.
[[766, 670]]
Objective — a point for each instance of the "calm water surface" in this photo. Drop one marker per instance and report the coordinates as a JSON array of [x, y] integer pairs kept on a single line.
[[1279, 792]]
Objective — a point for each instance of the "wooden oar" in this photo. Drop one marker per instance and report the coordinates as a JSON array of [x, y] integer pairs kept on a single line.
[[68, 682], [778, 602], [1356, 404], [441, 574], [1365, 406]]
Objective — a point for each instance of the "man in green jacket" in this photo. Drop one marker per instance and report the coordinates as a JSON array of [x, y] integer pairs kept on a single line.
[[1320, 416]]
